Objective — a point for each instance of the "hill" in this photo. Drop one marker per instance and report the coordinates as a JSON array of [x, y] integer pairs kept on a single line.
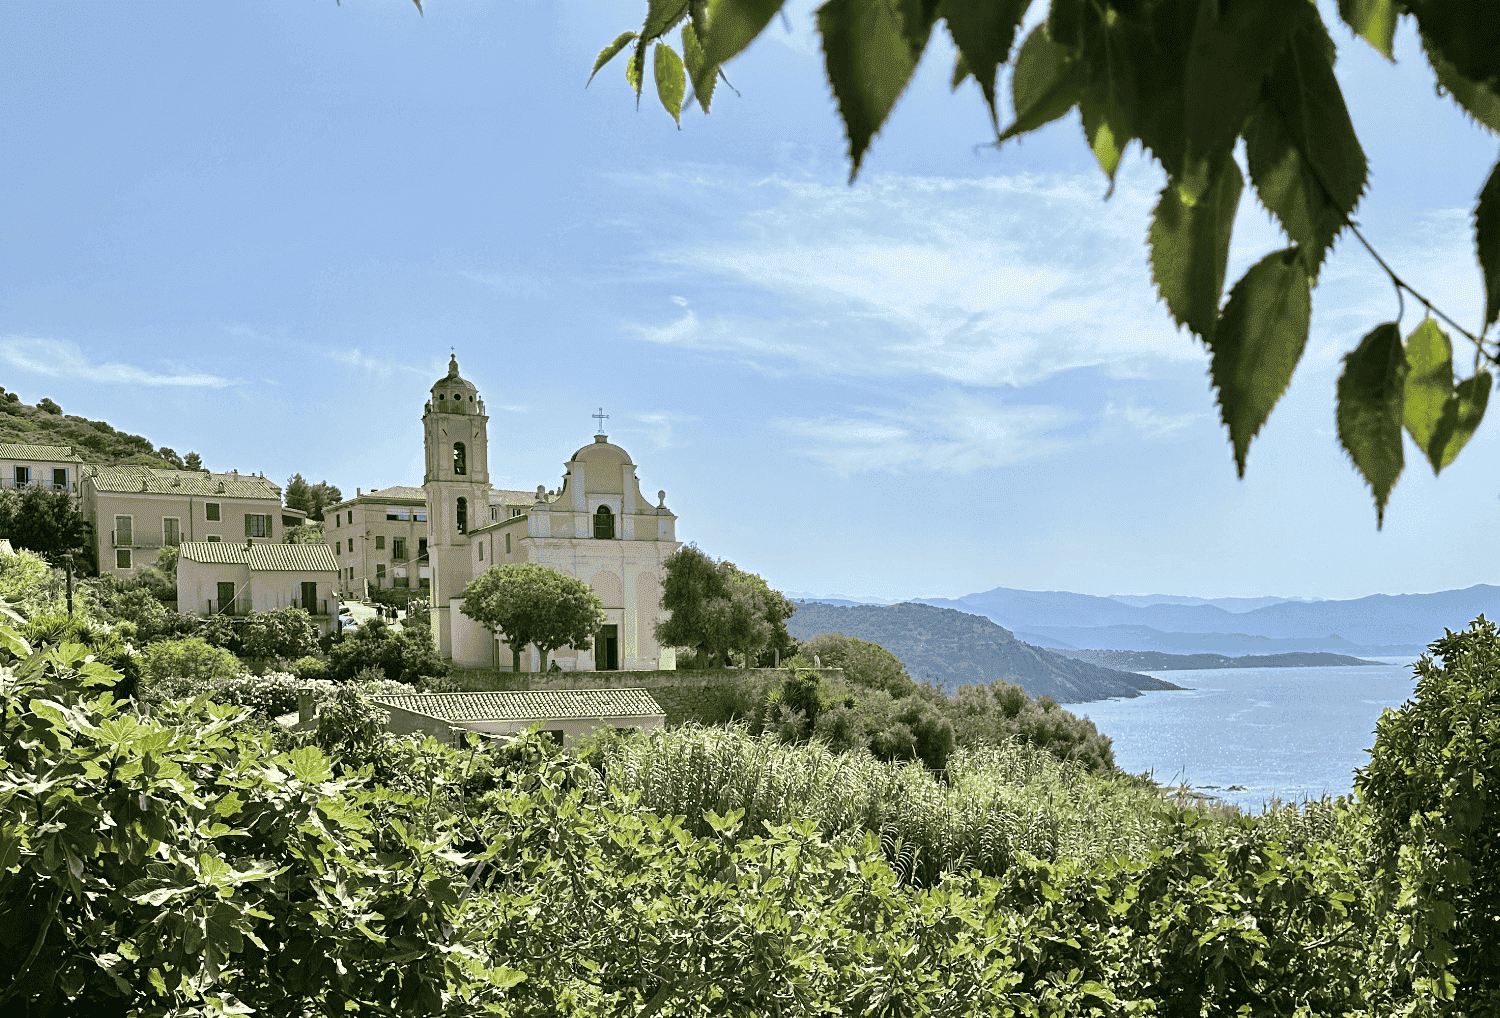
[[952, 648], [93, 441], [1155, 661], [1358, 625]]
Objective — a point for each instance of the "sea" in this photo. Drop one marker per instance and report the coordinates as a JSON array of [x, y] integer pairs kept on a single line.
[[1248, 736]]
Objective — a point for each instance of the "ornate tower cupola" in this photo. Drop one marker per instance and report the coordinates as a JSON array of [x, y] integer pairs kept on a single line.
[[455, 434]]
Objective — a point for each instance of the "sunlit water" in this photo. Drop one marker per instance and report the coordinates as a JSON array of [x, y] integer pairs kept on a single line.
[[1284, 733]]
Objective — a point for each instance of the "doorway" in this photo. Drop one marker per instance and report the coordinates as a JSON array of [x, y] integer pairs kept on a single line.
[[226, 599], [608, 652], [310, 598]]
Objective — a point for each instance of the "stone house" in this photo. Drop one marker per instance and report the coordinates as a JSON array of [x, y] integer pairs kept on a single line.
[[48, 466]]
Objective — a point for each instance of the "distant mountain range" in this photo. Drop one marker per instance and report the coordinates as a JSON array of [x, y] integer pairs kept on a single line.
[[952, 648], [1381, 624], [1155, 661]]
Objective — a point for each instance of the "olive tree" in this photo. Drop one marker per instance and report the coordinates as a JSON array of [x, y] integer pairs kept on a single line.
[[527, 604]]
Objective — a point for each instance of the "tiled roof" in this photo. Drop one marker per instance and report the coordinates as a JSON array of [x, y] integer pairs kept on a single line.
[[292, 558], [287, 558], [214, 553], [47, 453], [504, 496], [183, 482], [528, 705], [397, 491]]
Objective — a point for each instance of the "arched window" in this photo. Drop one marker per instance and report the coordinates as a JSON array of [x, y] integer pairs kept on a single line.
[[463, 515], [604, 523], [460, 458]]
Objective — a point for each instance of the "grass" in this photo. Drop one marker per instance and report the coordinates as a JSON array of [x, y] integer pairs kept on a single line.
[[995, 802]]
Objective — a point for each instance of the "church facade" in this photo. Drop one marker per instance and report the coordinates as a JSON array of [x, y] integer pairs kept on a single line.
[[596, 527]]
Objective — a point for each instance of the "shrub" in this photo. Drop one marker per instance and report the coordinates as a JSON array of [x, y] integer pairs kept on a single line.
[[191, 658], [285, 632], [400, 655], [1436, 820], [309, 668]]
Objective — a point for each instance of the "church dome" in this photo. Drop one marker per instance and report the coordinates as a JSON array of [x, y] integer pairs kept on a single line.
[[601, 451], [453, 394]]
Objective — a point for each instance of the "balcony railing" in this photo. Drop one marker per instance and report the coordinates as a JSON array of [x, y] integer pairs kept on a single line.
[[319, 606], [119, 540], [239, 606], [10, 482]]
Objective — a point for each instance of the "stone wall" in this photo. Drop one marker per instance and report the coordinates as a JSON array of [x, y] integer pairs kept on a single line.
[[709, 697]]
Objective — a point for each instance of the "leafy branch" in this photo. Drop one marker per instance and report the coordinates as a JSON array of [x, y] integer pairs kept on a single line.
[[1188, 80]]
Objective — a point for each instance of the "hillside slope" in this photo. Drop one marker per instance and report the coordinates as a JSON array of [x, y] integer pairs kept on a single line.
[[952, 648], [93, 441], [1374, 621]]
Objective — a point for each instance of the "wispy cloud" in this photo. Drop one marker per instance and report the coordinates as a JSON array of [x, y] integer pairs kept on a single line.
[[1145, 421], [954, 431], [658, 427], [55, 358], [996, 281], [381, 367]]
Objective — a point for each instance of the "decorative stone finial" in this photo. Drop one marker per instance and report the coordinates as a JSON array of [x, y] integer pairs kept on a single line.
[[661, 499], [453, 365]]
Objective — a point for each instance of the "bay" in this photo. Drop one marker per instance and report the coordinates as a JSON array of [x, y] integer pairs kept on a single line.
[[1276, 733]]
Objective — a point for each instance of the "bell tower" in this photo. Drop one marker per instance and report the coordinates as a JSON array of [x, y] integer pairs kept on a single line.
[[455, 434]]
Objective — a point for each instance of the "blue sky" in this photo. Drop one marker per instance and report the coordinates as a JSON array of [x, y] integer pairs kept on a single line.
[[254, 230]]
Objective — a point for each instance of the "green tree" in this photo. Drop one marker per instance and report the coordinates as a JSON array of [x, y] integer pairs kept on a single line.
[[311, 533], [48, 522], [1190, 80], [528, 604], [170, 455], [190, 658], [285, 632], [1431, 786], [864, 663], [717, 608], [401, 655], [311, 498], [192, 462], [47, 405]]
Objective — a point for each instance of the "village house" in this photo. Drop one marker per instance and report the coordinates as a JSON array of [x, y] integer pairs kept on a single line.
[[55, 467], [137, 511], [219, 578]]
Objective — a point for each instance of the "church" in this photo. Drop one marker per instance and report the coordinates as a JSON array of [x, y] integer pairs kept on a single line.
[[596, 527]]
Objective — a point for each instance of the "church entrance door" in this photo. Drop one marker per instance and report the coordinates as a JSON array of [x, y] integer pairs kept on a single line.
[[607, 649]]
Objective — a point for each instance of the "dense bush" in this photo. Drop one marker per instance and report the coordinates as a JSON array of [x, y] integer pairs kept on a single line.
[[190, 658], [140, 607], [400, 655], [153, 867], [283, 633], [1431, 786], [864, 663]]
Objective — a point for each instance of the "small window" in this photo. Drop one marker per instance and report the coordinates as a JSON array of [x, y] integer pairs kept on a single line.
[[212, 538], [171, 531], [338, 547], [494, 513], [380, 542], [421, 547], [604, 523], [481, 551], [124, 531], [380, 574], [211, 512], [257, 525], [23, 476], [351, 517], [60, 478], [122, 558], [398, 549], [463, 515], [460, 458], [516, 512], [507, 544], [420, 515]]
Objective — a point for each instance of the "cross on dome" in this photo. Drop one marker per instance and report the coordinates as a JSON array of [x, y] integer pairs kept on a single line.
[[601, 417]]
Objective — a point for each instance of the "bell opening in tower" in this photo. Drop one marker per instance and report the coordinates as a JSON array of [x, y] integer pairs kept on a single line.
[[460, 458], [463, 515]]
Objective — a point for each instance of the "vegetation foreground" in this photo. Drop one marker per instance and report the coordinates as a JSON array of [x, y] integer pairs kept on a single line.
[[167, 855]]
